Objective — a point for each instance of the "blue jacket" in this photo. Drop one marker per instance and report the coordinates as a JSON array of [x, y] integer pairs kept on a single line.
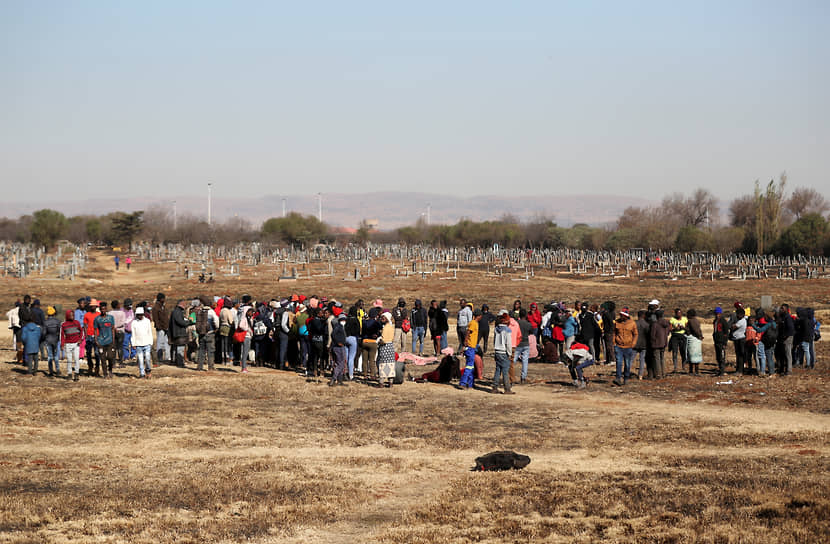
[[571, 327], [30, 336]]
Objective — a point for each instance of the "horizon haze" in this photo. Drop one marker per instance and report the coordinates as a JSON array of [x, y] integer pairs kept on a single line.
[[125, 100]]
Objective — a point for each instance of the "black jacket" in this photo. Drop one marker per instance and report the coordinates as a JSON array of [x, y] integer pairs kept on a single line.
[[338, 335], [418, 317], [178, 326]]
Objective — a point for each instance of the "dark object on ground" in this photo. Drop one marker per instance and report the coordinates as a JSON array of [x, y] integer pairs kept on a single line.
[[502, 460]]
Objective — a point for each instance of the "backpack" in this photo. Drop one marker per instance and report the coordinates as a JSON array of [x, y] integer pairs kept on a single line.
[[202, 322], [406, 325], [770, 335], [260, 328]]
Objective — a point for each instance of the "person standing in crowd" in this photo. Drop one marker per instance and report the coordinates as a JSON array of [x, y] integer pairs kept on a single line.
[[282, 327], [386, 350], [720, 337], [339, 351], [465, 315], [803, 337], [658, 340], [142, 340], [470, 342], [16, 326], [522, 351], [677, 341], [765, 326], [517, 305], [245, 323], [92, 349], [534, 317], [418, 321], [352, 331], [317, 334], [570, 329], [52, 337], [104, 326], [177, 331], [625, 338], [588, 328], [120, 319], [227, 317], [484, 327], [739, 339], [753, 339], [609, 331], [72, 333], [784, 346], [161, 321], [127, 351], [694, 342], [502, 344], [641, 346], [400, 318], [30, 335], [441, 327], [372, 329], [207, 324], [445, 337], [79, 313]]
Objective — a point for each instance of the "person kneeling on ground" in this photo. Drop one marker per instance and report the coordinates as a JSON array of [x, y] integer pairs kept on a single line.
[[578, 357], [448, 370]]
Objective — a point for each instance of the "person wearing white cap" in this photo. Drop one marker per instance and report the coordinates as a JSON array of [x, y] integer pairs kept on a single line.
[[625, 338], [142, 340]]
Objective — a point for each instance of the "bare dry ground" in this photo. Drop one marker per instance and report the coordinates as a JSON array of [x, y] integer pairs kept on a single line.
[[269, 457]]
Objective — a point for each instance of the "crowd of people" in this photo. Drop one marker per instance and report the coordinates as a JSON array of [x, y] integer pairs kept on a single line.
[[321, 337]]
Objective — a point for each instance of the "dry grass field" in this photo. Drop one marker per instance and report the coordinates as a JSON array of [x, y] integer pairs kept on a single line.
[[268, 457]]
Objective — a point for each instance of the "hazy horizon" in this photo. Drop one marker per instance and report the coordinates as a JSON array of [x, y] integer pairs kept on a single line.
[[125, 100]]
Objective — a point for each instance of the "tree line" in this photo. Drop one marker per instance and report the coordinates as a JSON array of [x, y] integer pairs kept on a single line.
[[768, 220]]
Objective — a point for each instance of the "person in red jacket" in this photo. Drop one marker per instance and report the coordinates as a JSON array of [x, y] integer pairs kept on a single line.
[[534, 316], [72, 333]]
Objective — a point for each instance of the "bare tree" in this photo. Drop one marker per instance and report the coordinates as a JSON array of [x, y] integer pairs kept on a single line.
[[804, 200], [698, 210], [743, 211]]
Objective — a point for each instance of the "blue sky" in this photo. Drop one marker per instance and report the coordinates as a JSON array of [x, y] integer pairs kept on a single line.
[[642, 98]]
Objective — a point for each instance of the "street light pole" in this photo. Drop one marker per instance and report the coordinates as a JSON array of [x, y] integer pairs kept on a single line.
[[209, 187], [175, 223]]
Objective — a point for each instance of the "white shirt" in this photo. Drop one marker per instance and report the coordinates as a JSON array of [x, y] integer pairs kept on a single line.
[[740, 329], [142, 333]]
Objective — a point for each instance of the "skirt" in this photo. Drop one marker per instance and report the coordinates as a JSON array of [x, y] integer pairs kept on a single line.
[[386, 361]]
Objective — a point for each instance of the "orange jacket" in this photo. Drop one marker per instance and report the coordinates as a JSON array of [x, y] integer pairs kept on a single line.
[[625, 333]]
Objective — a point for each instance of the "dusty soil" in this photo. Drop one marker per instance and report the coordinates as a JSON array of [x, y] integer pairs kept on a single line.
[[270, 457]]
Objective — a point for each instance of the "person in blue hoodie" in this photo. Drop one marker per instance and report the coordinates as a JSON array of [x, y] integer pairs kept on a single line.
[[569, 330], [30, 336]]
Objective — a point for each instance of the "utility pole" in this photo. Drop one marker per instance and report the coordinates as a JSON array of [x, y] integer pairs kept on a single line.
[[283, 207], [175, 223], [429, 209], [320, 207], [209, 187]]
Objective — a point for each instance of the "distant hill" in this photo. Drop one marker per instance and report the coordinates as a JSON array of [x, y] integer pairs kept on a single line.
[[390, 209]]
